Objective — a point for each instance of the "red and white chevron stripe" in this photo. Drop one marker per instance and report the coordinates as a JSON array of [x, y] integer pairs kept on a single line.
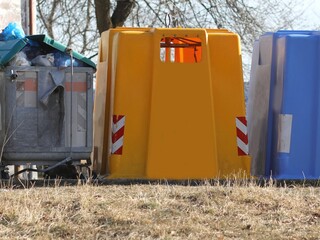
[[117, 134], [242, 136]]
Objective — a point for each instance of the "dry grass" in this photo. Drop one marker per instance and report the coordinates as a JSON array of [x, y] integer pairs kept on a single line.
[[243, 211]]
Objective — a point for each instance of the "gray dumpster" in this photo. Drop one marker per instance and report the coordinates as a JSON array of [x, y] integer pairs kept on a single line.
[[45, 111]]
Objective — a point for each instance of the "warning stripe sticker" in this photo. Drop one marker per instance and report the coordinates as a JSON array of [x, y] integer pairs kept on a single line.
[[117, 134], [242, 136]]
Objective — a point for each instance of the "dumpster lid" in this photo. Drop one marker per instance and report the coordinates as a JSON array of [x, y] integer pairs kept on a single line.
[[44, 39], [10, 48]]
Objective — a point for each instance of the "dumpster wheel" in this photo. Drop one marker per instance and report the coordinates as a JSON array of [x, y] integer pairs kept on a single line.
[[64, 169], [4, 172]]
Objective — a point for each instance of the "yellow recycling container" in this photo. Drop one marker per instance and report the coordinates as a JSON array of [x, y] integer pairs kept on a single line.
[[169, 104]]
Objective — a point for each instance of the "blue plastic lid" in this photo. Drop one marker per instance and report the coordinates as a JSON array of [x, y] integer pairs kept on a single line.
[[8, 49]]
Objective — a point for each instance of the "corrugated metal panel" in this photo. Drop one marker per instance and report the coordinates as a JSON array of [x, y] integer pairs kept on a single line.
[[50, 119]]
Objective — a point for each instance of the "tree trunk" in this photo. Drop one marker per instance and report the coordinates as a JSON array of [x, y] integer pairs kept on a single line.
[[119, 16], [102, 10], [122, 11]]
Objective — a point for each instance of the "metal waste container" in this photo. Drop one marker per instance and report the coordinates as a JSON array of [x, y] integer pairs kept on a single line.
[[45, 111]]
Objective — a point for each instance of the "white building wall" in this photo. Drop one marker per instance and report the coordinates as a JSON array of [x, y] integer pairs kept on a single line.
[[19, 11]]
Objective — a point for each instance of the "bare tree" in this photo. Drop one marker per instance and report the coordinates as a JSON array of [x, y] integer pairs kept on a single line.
[[247, 18], [78, 23], [71, 22]]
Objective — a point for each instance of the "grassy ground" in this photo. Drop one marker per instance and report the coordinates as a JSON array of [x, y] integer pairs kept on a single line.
[[241, 211]]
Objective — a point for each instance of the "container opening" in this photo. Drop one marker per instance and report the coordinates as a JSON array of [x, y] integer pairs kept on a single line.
[[180, 50]]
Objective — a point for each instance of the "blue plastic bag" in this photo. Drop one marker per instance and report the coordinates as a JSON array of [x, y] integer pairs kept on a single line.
[[62, 59], [12, 31]]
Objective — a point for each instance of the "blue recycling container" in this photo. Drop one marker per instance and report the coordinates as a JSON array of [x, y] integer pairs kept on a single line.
[[284, 105]]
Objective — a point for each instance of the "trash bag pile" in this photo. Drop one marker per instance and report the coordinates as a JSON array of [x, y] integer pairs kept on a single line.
[[36, 53]]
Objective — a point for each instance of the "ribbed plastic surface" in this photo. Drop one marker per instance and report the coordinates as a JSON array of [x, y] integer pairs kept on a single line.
[[172, 100], [284, 128]]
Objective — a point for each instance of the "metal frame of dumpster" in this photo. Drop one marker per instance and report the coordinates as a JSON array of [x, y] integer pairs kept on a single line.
[[45, 112]]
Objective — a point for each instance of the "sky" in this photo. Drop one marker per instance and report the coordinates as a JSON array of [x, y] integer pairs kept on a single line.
[[310, 20], [312, 12]]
